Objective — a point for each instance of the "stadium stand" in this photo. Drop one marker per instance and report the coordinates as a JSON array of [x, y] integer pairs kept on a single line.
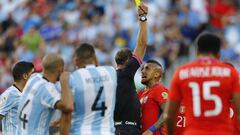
[[30, 29]]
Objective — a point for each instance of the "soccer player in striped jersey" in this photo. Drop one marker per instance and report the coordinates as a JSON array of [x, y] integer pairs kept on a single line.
[[94, 89], [9, 100], [40, 98]]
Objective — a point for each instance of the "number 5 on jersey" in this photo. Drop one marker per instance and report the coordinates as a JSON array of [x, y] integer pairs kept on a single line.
[[102, 107]]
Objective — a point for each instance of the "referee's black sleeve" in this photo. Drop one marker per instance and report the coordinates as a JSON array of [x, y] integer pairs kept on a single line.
[[131, 67]]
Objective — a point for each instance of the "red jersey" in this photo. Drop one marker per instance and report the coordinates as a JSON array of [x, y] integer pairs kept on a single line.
[[180, 121], [206, 86], [151, 101], [233, 116]]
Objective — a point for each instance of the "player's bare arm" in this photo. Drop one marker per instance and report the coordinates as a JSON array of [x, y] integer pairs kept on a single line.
[[160, 121], [142, 34], [65, 123], [158, 124], [169, 115], [66, 102]]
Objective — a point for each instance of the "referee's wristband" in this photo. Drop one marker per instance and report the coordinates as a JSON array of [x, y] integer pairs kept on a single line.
[[153, 129]]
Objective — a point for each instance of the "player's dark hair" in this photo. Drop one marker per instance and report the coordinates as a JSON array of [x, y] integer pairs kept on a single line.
[[154, 62], [21, 68], [85, 52], [208, 43], [122, 56]]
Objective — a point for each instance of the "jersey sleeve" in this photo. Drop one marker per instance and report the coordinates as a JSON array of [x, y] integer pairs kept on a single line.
[[236, 81], [56, 116], [58, 86], [50, 96], [70, 81], [132, 66], [161, 95], [7, 102], [175, 92]]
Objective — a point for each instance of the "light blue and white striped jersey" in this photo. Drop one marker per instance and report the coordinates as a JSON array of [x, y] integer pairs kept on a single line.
[[36, 106], [94, 91], [9, 102], [57, 113]]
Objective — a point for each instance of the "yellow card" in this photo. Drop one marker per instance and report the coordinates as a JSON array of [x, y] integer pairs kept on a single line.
[[137, 3]]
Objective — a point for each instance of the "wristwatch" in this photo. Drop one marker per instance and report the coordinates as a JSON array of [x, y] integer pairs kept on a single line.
[[143, 18]]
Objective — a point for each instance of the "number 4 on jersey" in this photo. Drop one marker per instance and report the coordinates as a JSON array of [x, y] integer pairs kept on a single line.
[[24, 118], [95, 106]]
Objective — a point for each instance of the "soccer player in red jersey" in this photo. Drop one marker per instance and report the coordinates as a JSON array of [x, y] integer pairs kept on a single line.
[[152, 98], [180, 120], [206, 87]]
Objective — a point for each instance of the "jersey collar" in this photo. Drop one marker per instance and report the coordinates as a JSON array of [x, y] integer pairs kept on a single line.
[[45, 79], [149, 89], [16, 87], [90, 66], [207, 58]]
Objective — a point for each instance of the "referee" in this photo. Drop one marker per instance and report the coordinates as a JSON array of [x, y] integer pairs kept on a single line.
[[127, 108]]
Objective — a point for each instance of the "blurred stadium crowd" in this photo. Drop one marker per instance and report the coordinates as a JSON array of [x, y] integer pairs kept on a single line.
[[29, 29]]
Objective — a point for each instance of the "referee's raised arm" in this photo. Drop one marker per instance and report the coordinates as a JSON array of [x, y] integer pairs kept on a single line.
[[142, 34]]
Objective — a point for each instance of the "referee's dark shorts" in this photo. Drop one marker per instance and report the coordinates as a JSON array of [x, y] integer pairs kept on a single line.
[[127, 108], [127, 128]]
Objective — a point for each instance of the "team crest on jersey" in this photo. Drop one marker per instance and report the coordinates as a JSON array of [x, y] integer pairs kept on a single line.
[[164, 95], [182, 109], [144, 100]]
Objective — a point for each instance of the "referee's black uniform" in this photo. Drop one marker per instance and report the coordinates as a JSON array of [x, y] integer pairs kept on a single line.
[[127, 109]]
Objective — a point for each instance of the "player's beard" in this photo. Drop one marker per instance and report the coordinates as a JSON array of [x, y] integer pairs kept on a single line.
[[144, 81]]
